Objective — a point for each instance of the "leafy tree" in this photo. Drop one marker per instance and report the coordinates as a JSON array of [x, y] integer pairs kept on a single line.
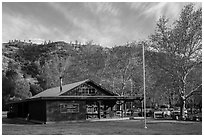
[[52, 70], [118, 67], [14, 85], [124, 69], [21, 90], [35, 89], [177, 50]]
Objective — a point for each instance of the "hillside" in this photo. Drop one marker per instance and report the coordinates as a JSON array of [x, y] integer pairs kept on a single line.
[[84, 61], [31, 68]]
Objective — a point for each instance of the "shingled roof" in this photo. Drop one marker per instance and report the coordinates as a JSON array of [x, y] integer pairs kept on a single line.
[[55, 92]]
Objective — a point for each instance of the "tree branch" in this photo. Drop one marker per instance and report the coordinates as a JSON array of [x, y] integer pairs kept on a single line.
[[199, 88]]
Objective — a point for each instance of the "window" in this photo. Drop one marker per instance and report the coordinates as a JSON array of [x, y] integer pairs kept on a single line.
[[69, 108], [92, 91], [63, 108], [91, 109], [73, 108], [87, 90]]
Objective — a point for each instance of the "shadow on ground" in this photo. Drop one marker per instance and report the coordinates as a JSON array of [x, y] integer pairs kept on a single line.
[[16, 121]]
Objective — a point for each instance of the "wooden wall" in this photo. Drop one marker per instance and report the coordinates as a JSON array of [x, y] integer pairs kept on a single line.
[[22, 109], [78, 91], [37, 110], [55, 113]]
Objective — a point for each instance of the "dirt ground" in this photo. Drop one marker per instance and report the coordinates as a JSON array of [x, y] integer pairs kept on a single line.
[[118, 127]]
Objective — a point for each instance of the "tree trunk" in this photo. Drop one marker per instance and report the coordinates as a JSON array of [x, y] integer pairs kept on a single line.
[[123, 87], [170, 104], [182, 107], [183, 97]]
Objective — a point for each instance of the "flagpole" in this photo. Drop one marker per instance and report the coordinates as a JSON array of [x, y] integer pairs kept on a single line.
[[131, 93], [145, 119]]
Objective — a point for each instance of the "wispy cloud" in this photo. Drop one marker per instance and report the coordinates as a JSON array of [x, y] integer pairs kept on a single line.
[[82, 26], [102, 7], [157, 10], [104, 23], [88, 28], [18, 27]]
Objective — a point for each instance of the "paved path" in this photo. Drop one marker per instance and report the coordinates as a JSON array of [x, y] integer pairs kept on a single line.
[[149, 120], [170, 121], [109, 119]]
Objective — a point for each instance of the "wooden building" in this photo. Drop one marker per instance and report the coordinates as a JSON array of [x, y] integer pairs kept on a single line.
[[77, 101]]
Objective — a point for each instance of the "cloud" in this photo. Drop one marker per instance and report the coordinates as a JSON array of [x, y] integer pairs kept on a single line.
[[19, 27], [86, 28], [156, 10], [102, 7], [76, 21], [104, 23]]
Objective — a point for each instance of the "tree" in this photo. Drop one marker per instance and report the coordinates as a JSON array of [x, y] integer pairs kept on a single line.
[[22, 89], [14, 85], [52, 70], [177, 50], [123, 69], [35, 89], [119, 67]]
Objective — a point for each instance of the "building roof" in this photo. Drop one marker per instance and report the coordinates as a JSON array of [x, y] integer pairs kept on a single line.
[[55, 92], [90, 98]]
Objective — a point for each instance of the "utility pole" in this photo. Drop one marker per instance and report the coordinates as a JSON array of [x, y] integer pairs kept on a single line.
[[145, 119]]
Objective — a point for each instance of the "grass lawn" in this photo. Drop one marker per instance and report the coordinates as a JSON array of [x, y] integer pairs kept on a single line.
[[122, 127]]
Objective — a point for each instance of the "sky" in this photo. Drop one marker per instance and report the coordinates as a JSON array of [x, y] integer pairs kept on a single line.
[[105, 23]]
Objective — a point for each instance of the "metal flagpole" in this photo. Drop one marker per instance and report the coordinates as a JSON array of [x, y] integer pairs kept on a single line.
[[131, 93], [145, 119]]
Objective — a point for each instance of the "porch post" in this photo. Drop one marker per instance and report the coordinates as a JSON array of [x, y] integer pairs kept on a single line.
[[125, 108], [105, 110], [99, 109]]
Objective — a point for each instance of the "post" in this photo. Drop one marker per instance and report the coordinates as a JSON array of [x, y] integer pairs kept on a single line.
[[131, 103], [60, 83], [113, 85], [111, 113], [145, 122], [99, 109], [142, 108], [105, 111], [125, 108]]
